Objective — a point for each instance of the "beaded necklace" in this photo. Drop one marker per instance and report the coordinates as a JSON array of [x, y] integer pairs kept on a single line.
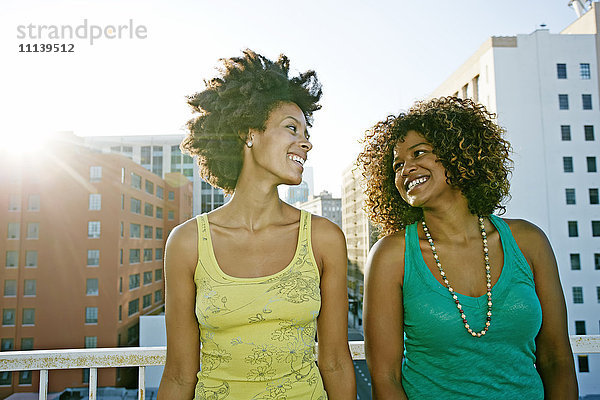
[[487, 275]]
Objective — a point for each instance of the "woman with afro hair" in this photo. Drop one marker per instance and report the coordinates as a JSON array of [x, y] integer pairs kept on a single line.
[[251, 284], [459, 303]]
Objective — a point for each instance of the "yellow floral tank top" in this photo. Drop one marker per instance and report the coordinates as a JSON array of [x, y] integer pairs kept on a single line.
[[258, 334]]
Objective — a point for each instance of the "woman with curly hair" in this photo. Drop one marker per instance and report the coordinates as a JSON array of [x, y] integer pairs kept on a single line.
[[459, 303], [250, 284]]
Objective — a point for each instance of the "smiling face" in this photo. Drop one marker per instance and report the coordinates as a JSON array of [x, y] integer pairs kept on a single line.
[[420, 177], [281, 150]]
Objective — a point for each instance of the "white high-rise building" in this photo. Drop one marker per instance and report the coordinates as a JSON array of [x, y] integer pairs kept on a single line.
[[544, 89], [161, 154]]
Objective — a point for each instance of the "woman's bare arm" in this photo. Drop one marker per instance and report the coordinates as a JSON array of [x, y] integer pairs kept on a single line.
[[554, 357], [335, 361], [183, 343], [383, 317]]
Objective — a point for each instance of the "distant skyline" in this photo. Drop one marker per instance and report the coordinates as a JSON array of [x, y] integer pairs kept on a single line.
[[373, 59]]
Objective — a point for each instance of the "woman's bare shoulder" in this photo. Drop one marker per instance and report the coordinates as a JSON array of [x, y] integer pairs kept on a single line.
[[182, 245]]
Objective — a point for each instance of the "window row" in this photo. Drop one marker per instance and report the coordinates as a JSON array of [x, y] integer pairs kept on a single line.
[[12, 259], [14, 230], [570, 197], [33, 202], [578, 294], [133, 307], [134, 255], [29, 287], [25, 378], [9, 317], [8, 344], [584, 71], [135, 206], [568, 165], [135, 231], [134, 279], [588, 133], [573, 228], [563, 101], [576, 261]]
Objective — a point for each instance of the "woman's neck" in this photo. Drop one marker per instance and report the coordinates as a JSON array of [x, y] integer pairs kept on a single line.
[[452, 223]]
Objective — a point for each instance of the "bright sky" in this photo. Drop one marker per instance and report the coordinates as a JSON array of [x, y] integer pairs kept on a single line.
[[373, 59]]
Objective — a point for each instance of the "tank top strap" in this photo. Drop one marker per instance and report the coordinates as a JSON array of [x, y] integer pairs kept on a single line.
[[514, 257], [412, 251], [304, 232]]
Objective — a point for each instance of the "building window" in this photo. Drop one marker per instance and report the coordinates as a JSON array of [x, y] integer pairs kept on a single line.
[[147, 277], [145, 156], [563, 101], [158, 296], [159, 233], [561, 71], [26, 343], [134, 307], [591, 164], [565, 132], [596, 260], [158, 274], [134, 231], [148, 210], [90, 342], [91, 315], [575, 261], [86, 376], [25, 378], [13, 230], [136, 206], [121, 256], [586, 101], [120, 284], [573, 231], [588, 131], [158, 254], [147, 255], [122, 202], [31, 258], [93, 229], [95, 202], [8, 316], [582, 363], [147, 300], [120, 313], [12, 259], [159, 212], [95, 173], [29, 287], [29, 316], [147, 232], [91, 287], [171, 215], [6, 378], [580, 327], [171, 195], [33, 228], [93, 258], [134, 281], [136, 181], [577, 295], [134, 256], [33, 203], [584, 71], [14, 202], [595, 228], [593, 195], [568, 164], [10, 288], [149, 187], [160, 192], [122, 229], [570, 196], [8, 344]]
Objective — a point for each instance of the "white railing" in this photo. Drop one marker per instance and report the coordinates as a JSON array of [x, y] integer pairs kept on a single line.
[[142, 357]]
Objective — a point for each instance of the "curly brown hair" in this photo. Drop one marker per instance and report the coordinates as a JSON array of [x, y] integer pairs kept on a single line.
[[465, 139], [239, 100]]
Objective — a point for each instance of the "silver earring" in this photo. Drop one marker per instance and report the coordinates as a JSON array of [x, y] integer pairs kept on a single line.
[[249, 143]]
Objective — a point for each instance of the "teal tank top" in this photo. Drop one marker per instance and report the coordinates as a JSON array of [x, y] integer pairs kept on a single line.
[[442, 360]]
